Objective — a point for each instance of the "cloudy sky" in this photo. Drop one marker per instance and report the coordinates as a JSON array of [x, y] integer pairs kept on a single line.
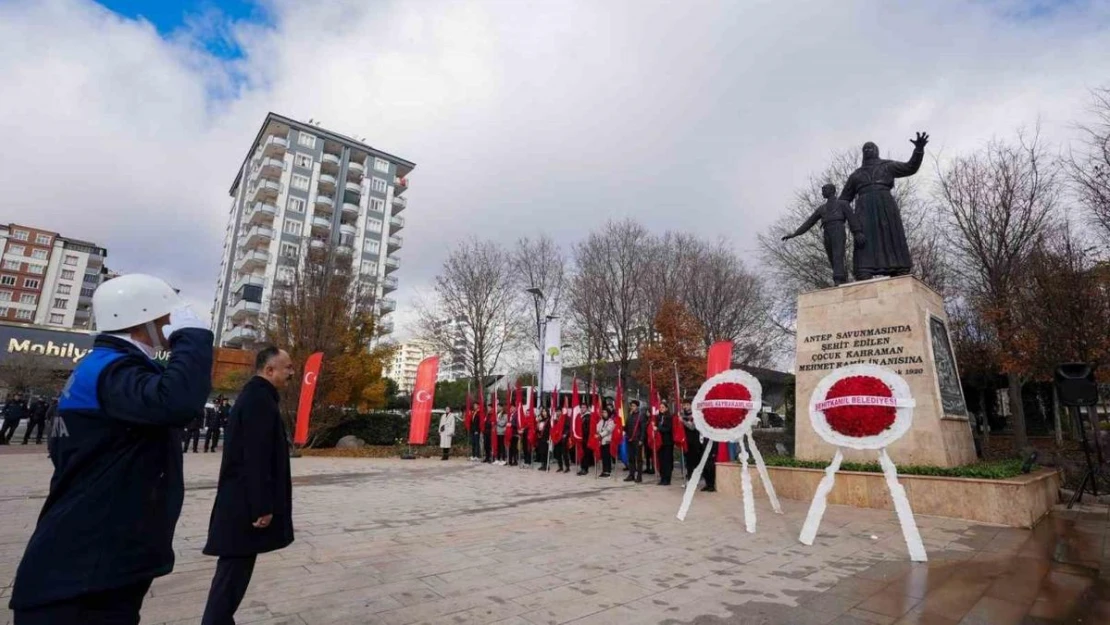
[[125, 121]]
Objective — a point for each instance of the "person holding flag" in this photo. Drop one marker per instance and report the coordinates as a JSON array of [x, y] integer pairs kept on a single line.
[[677, 426], [488, 417], [512, 436], [528, 439], [542, 438], [604, 438], [560, 436], [635, 431], [694, 446], [501, 431], [593, 442], [665, 444]]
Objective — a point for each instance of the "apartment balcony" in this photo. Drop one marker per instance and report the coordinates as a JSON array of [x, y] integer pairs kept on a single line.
[[389, 284], [259, 235], [239, 336], [399, 204], [318, 244], [395, 242], [355, 168], [329, 163], [274, 146], [396, 223], [248, 279], [243, 310], [386, 305], [326, 184], [261, 213], [344, 250], [269, 169], [348, 232], [325, 203], [400, 184], [385, 327], [321, 225], [353, 187], [392, 263], [350, 211], [252, 261]]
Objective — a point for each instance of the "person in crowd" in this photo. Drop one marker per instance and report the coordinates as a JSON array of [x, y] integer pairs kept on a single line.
[[709, 474], [106, 528], [560, 423], [212, 427], [253, 511], [475, 435], [694, 446], [192, 431], [446, 432], [543, 438], [527, 425], [605, 429], [664, 425], [499, 432], [15, 410], [635, 433], [37, 419], [586, 458], [515, 421], [487, 434]]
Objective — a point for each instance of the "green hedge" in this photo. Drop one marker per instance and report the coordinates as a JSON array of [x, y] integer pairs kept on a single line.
[[994, 470], [376, 428]]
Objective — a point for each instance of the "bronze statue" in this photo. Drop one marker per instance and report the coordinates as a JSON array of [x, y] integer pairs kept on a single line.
[[832, 215], [886, 252]]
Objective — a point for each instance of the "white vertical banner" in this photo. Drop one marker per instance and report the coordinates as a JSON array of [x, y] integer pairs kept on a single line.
[[552, 356]]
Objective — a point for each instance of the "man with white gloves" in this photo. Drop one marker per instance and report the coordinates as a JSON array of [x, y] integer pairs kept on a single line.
[[106, 529]]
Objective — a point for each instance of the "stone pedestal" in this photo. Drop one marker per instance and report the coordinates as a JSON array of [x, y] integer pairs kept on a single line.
[[898, 323]]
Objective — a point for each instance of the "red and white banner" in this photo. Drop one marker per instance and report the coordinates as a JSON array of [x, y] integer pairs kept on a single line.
[[423, 396], [308, 390], [719, 358]]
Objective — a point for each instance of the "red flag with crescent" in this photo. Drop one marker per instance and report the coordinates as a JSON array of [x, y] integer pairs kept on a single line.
[[591, 435], [308, 390], [531, 421], [718, 360], [558, 419], [618, 429], [423, 396], [467, 415], [676, 415], [493, 428], [512, 418], [575, 417]]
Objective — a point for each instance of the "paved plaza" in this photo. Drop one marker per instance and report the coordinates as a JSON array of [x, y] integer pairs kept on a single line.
[[396, 542]]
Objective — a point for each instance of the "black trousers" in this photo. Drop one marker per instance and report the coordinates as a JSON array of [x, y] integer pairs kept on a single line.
[[514, 450], [710, 471], [541, 452], [606, 459], [190, 435], [666, 461], [8, 430], [475, 444], [834, 249], [635, 459], [487, 443], [211, 439], [229, 585], [649, 459], [694, 449], [502, 453], [34, 422], [526, 450], [119, 606], [586, 461], [561, 454]]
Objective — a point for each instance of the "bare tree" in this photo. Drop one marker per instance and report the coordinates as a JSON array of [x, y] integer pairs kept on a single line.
[[1000, 202], [671, 260], [478, 307], [540, 264], [25, 372], [1090, 169]]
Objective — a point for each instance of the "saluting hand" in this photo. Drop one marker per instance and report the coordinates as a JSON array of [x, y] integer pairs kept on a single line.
[[263, 521]]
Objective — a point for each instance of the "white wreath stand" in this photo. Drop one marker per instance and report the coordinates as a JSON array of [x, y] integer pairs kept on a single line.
[[897, 494], [746, 441]]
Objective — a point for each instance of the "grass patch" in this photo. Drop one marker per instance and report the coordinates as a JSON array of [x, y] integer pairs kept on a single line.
[[991, 470]]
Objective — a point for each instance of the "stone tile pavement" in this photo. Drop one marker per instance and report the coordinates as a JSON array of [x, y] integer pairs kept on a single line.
[[396, 542]]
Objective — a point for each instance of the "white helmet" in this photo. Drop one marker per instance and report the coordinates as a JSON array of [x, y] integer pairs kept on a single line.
[[132, 300]]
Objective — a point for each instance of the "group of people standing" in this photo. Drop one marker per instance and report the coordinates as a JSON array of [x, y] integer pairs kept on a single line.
[[37, 411], [644, 441], [213, 419]]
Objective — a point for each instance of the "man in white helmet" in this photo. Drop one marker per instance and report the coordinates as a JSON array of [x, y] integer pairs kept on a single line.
[[106, 529]]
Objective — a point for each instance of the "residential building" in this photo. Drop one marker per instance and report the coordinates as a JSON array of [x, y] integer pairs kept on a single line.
[[452, 364], [48, 279], [301, 187], [406, 360]]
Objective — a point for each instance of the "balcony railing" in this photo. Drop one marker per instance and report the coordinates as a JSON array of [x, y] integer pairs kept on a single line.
[[274, 145], [259, 235], [247, 280], [252, 260], [395, 242], [240, 335], [396, 223], [387, 305], [327, 181], [399, 204], [391, 263], [356, 167], [264, 190], [400, 184], [350, 209], [261, 212], [244, 309]]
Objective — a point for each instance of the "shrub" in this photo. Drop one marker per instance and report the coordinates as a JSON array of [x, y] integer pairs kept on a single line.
[[376, 428], [995, 470]]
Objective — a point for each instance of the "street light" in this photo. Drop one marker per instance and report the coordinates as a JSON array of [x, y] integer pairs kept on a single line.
[[537, 295]]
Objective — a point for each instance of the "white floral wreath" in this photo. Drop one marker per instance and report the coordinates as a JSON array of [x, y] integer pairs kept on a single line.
[[901, 400], [752, 405]]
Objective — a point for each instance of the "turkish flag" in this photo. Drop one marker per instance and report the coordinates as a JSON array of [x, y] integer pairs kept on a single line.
[[676, 415], [308, 390], [423, 396], [618, 429], [719, 358], [493, 428]]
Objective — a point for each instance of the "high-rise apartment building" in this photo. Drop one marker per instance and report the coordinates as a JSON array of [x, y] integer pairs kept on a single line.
[[48, 279], [406, 359], [301, 187]]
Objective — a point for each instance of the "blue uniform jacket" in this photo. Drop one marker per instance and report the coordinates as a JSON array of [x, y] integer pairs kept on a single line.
[[117, 487]]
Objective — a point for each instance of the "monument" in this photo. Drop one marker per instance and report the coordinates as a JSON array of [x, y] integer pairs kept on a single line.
[[887, 318], [832, 215]]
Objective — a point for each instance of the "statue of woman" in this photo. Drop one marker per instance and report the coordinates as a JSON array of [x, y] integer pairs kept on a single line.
[[885, 252]]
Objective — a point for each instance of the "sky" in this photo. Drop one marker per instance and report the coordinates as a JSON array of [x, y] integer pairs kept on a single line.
[[126, 121]]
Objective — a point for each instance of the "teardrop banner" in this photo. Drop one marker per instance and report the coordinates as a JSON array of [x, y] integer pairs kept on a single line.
[[308, 391], [863, 406], [726, 408], [423, 397]]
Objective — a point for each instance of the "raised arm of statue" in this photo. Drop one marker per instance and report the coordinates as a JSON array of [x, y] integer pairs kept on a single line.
[[804, 228], [910, 167]]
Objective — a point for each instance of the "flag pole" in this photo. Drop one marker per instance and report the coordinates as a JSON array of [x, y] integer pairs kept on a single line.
[[677, 407]]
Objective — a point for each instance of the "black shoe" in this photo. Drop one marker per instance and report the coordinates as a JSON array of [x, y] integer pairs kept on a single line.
[[582, 472], [605, 475], [709, 489], [625, 469], [649, 472], [639, 480], [665, 483], [629, 479]]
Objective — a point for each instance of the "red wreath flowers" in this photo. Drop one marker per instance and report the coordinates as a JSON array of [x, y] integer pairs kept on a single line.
[[859, 421], [726, 418]]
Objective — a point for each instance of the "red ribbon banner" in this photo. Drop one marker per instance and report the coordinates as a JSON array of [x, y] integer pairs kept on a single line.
[[308, 390], [423, 396]]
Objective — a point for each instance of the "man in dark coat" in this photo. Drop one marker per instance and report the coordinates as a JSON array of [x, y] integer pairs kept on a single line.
[[212, 427], [254, 497], [192, 432], [106, 528], [15, 410], [635, 433], [694, 447], [37, 420], [665, 426]]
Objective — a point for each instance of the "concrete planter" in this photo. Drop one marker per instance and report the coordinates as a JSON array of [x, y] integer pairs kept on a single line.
[[1015, 502]]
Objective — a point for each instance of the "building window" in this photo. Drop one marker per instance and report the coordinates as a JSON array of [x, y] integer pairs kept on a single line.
[[28, 283], [63, 289], [377, 204], [87, 292], [71, 260], [20, 235], [303, 161], [42, 239], [60, 302], [374, 225], [17, 250], [372, 246], [14, 265], [5, 296], [7, 280], [39, 254], [299, 182], [36, 269], [307, 140], [292, 227], [57, 319], [68, 274], [369, 267], [378, 185], [381, 165], [27, 298], [295, 205], [24, 315], [289, 250]]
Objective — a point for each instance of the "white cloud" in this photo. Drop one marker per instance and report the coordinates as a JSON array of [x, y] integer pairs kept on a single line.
[[520, 116]]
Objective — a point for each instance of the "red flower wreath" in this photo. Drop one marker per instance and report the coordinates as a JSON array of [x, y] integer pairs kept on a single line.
[[859, 421], [726, 418]]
